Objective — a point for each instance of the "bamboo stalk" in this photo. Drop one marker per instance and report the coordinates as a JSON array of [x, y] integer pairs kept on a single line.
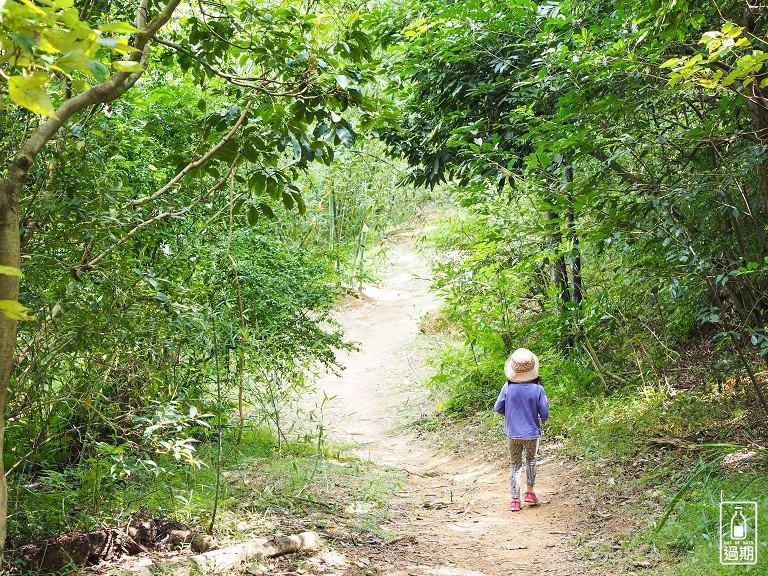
[[360, 255]]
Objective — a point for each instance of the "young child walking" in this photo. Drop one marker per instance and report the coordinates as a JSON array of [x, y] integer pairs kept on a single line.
[[524, 405]]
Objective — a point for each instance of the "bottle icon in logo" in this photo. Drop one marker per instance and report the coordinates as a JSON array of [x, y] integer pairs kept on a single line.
[[738, 525]]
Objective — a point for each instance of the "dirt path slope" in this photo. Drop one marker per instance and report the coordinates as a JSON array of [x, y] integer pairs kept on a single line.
[[453, 511]]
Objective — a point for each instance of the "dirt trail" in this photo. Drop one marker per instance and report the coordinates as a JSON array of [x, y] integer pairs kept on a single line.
[[453, 509]]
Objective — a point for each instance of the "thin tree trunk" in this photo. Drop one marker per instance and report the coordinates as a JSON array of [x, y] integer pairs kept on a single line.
[[560, 277], [599, 367], [736, 347], [764, 185], [577, 293], [756, 102], [10, 255], [558, 273], [332, 226], [762, 400]]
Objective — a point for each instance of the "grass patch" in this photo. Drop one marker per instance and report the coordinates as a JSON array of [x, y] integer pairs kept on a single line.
[[264, 488], [688, 542], [668, 448]]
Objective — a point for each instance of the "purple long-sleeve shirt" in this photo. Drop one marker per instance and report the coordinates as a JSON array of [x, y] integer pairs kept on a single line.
[[524, 407]]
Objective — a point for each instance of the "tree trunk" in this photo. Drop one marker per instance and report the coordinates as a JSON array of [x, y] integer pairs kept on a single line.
[[577, 293], [757, 101], [10, 248], [225, 559], [558, 271]]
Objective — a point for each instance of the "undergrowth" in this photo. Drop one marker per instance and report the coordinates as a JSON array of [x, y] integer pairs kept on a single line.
[[266, 487]]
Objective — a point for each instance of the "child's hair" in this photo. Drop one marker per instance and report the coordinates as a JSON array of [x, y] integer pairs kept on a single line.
[[536, 380]]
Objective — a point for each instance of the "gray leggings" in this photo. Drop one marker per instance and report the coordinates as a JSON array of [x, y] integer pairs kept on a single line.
[[516, 447]]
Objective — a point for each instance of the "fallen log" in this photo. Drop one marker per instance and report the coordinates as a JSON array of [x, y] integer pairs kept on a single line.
[[224, 558]]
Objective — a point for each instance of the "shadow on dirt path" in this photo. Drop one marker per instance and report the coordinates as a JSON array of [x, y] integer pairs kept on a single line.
[[451, 514]]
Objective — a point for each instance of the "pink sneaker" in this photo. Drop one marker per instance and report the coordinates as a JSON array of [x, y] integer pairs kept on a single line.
[[530, 497], [514, 505]]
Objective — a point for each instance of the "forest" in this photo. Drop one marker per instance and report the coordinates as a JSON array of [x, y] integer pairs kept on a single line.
[[189, 190]]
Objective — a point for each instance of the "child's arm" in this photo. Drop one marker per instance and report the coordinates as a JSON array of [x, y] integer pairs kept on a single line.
[[543, 406], [501, 402]]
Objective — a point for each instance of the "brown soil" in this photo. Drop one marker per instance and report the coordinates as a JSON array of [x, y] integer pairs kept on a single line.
[[451, 515]]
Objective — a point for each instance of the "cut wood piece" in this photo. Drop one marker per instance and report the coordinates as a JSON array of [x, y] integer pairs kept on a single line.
[[230, 557], [203, 543], [198, 542], [224, 558], [397, 539]]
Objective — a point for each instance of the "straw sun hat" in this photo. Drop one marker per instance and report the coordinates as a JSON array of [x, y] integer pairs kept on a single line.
[[522, 366]]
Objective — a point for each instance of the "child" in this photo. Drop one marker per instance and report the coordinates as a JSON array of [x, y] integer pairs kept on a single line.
[[524, 405]]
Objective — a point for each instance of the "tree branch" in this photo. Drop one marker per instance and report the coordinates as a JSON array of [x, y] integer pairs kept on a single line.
[[195, 164], [245, 82], [112, 88], [625, 174], [157, 218]]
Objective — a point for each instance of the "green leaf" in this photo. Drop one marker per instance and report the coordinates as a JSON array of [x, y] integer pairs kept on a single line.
[[342, 80], [288, 200], [267, 211], [670, 63], [300, 203], [15, 310], [10, 270], [345, 136], [296, 147], [273, 189], [26, 42], [127, 66], [100, 72], [74, 60], [119, 28], [109, 42], [29, 92], [253, 215], [258, 183], [251, 152]]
